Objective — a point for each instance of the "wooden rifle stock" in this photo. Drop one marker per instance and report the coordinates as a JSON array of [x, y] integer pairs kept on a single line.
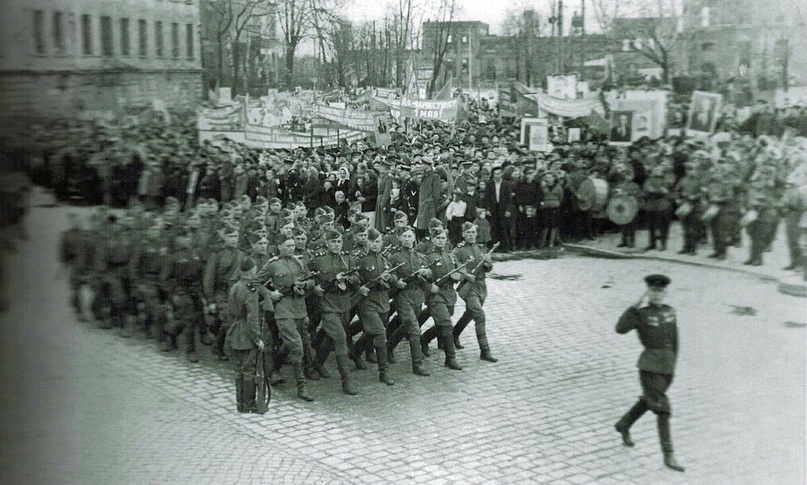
[[464, 283]]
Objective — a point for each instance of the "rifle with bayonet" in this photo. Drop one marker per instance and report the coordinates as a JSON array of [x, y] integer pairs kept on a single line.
[[443, 279], [264, 389]]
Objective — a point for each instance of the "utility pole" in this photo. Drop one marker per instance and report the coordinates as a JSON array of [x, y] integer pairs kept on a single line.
[[470, 62]]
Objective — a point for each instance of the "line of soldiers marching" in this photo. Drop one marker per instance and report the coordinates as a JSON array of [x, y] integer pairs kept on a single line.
[[255, 279]]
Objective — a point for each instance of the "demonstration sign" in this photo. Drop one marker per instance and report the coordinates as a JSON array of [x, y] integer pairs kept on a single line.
[[422, 109], [357, 120]]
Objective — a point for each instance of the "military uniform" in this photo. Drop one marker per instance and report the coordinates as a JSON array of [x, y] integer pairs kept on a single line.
[[290, 312], [245, 303], [221, 272], [181, 275], [656, 326], [441, 304], [474, 293], [408, 303], [335, 307], [112, 264], [690, 191], [373, 310], [145, 267]]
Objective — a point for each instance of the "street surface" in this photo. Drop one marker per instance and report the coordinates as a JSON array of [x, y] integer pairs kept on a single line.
[[82, 405]]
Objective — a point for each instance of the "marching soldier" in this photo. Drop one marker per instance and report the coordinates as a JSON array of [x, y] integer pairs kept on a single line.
[[181, 276], [655, 323], [112, 263], [291, 280], [473, 289], [334, 287], [145, 267], [442, 297], [409, 299], [373, 306], [221, 272], [246, 300]]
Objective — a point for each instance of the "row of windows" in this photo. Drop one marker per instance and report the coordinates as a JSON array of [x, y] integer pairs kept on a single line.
[[63, 30]]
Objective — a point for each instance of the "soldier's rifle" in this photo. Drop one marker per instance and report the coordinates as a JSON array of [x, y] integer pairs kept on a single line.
[[339, 282], [295, 287], [478, 266], [264, 389], [443, 279]]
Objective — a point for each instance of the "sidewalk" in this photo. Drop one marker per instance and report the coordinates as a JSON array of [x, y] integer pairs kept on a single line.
[[790, 282]]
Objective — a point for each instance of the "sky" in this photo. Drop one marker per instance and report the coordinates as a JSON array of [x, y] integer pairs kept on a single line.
[[491, 12]]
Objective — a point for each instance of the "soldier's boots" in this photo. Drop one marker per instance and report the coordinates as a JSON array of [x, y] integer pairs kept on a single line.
[[448, 348], [390, 354], [370, 356], [417, 357], [302, 388], [357, 350], [239, 393], [623, 425], [485, 349], [457, 344], [383, 366], [127, 324], [344, 374], [424, 348], [192, 357], [625, 433], [671, 463], [665, 437], [250, 405]]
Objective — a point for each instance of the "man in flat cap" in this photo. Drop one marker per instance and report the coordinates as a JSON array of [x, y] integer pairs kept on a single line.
[[655, 323]]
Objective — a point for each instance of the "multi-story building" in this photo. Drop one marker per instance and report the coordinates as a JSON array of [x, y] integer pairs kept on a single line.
[[60, 57], [759, 42], [464, 44]]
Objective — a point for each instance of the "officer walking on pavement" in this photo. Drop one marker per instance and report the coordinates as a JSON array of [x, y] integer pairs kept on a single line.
[[655, 323]]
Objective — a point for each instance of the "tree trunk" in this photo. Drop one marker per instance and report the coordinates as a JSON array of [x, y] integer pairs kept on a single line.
[[236, 66], [220, 52], [290, 49]]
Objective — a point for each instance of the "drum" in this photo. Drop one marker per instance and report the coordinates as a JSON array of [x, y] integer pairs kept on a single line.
[[710, 213], [622, 209], [683, 210], [749, 217], [592, 195]]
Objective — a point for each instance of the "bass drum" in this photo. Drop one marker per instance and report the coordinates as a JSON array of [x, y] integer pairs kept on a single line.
[[592, 195], [622, 209]]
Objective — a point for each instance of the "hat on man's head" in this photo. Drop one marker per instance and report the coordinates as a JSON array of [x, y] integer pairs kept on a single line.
[[468, 226], [435, 223], [332, 234], [657, 280], [400, 215]]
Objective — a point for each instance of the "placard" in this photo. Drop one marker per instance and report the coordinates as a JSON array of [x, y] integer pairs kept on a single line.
[[704, 110], [620, 131], [535, 134]]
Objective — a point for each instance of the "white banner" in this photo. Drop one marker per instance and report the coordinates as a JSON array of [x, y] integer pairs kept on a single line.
[[357, 120]]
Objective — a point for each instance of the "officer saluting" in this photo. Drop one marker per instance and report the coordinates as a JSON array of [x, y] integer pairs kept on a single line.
[[655, 323]]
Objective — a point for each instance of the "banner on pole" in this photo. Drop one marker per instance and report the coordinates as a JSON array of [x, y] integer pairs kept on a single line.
[[421, 109], [354, 119]]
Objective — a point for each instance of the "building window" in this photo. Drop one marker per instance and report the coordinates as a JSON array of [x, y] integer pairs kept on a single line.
[[189, 40], [625, 45], [107, 48], [39, 31], [142, 38], [449, 39], [125, 47], [705, 17], [708, 47], [175, 40], [86, 35], [58, 32], [637, 44], [464, 39], [158, 38]]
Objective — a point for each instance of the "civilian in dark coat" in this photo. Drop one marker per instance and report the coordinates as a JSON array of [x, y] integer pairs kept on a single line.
[[499, 204]]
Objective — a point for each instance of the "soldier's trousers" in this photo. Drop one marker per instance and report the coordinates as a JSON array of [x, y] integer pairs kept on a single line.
[[654, 398], [334, 328], [244, 365], [188, 318], [722, 234], [289, 329], [659, 226], [409, 327], [762, 232], [475, 312], [441, 313], [793, 237], [692, 231]]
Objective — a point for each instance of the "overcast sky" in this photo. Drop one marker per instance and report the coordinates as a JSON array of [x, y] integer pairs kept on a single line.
[[492, 12]]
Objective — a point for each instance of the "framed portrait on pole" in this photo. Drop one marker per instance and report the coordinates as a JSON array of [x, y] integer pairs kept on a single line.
[[621, 128], [535, 134], [704, 109]]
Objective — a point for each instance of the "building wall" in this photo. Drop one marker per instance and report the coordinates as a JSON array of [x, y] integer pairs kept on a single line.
[[57, 56]]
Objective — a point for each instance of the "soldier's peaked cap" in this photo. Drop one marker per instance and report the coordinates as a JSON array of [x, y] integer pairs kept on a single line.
[[657, 280]]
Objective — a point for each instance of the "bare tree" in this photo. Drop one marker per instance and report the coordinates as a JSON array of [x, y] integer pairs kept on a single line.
[[295, 19], [246, 16], [653, 34], [220, 13], [442, 32], [605, 11]]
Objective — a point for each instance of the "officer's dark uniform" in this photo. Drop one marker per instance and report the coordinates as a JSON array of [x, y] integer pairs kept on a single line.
[[656, 326], [181, 275]]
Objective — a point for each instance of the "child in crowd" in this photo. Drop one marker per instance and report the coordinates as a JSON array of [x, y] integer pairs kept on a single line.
[[482, 228], [455, 216]]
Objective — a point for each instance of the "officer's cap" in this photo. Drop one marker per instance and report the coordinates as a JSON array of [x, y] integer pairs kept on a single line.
[[331, 234], [657, 280]]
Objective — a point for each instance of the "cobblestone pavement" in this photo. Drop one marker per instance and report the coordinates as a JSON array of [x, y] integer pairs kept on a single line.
[[83, 405]]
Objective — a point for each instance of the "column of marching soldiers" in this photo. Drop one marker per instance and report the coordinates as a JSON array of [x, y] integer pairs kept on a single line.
[[318, 288]]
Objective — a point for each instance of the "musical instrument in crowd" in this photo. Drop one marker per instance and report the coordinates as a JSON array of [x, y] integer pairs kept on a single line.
[[710, 213], [622, 209], [592, 195]]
